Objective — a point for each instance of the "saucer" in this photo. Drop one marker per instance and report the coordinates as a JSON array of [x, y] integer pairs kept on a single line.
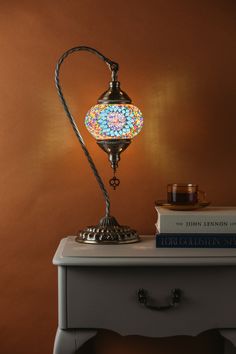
[[165, 204]]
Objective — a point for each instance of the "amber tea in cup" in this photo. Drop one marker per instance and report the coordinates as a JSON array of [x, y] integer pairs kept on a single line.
[[180, 193]]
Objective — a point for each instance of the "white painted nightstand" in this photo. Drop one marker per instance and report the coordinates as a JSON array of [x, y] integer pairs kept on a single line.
[[111, 287]]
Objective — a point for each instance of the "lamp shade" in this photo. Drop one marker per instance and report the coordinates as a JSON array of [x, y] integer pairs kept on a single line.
[[114, 121]]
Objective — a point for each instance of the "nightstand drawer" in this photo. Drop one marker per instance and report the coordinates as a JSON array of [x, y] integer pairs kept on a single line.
[[102, 297]]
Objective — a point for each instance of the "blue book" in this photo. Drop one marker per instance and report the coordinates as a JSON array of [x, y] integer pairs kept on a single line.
[[203, 240]]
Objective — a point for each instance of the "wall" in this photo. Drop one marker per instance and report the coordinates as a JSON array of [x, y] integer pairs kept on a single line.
[[177, 62]]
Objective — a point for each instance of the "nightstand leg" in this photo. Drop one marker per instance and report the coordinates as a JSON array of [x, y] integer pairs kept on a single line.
[[70, 340], [230, 340], [229, 348]]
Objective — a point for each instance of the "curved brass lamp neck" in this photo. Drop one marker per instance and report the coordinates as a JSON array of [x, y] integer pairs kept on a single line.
[[114, 67]]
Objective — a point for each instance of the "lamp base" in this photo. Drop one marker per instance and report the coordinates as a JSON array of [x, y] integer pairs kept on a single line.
[[108, 231]]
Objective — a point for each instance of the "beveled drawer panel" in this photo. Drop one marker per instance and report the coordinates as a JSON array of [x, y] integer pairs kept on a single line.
[[106, 297]]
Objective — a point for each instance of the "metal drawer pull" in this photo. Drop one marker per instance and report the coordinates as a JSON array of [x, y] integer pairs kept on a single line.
[[175, 298]]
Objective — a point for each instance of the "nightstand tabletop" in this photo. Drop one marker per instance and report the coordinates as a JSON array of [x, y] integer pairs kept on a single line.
[[143, 253]]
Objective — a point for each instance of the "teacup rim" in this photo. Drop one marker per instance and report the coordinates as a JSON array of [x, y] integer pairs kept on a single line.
[[183, 184]]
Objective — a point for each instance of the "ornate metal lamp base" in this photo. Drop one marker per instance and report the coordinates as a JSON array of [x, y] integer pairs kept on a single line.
[[108, 231]]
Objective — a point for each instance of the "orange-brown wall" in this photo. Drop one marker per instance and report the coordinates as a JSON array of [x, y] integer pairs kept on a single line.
[[177, 62]]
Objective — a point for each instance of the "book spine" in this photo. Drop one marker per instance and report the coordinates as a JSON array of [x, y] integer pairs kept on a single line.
[[196, 241], [196, 224]]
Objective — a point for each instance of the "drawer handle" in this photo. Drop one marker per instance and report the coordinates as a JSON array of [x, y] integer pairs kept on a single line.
[[175, 298]]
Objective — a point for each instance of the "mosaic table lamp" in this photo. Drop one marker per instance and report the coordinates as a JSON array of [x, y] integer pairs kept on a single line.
[[113, 122]]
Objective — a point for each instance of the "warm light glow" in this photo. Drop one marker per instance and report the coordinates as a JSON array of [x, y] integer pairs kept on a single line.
[[114, 121]]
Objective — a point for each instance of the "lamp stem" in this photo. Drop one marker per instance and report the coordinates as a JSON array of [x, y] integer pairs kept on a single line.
[[114, 68]]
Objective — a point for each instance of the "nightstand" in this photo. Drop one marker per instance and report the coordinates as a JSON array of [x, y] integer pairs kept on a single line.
[[138, 289]]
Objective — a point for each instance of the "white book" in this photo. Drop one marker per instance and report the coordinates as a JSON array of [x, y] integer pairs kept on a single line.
[[205, 220]]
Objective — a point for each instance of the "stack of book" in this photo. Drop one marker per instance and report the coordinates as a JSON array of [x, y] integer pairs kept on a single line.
[[212, 227]]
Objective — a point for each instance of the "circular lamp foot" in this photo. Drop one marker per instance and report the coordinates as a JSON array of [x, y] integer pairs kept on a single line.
[[108, 231]]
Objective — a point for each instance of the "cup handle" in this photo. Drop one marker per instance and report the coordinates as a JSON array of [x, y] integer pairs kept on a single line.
[[201, 195]]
